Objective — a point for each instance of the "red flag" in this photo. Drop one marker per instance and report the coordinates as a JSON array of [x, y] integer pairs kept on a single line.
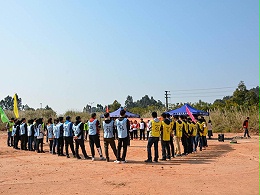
[[190, 114], [107, 110]]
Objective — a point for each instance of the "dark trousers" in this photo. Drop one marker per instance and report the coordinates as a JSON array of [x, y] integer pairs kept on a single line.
[[115, 134], [60, 145], [80, 142], [153, 141], [10, 139], [111, 142], [172, 147], [147, 134], [122, 142], [30, 142], [94, 140], [16, 141], [135, 134], [205, 141], [166, 147], [184, 141], [51, 145], [23, 142], [190, 144], [201, 142], [39, 144], [142, 135], [246, 132], [35, 143], [69, 142], [55, 144], [131, 135]]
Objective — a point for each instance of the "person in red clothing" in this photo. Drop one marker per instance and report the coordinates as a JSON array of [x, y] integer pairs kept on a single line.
[[245, 126], [135, 127]]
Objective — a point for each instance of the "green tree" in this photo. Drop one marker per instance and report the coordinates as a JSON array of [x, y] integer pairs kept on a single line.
[[129, 103], [113, 107], [8, 103]]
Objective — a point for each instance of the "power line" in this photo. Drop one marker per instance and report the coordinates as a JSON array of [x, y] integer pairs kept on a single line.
[[199, 96], [184, 93], [210, 88]]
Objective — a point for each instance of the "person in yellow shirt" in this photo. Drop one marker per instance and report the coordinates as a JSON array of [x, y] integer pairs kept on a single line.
[[154, 134], [205, 132], [178, 127], [200, 130], [190, 130], [166, 130]]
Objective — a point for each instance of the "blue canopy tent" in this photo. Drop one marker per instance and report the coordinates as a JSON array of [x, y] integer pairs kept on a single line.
[[182, 111], [116, 114]]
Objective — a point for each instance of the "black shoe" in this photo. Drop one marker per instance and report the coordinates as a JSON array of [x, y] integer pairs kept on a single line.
[[54, 153], [74, 156], [62, 155], [87, 157], [163, 159], [155, 161], [148, 161], [42, 152], [78, 157], [107, 159], [68, 156]]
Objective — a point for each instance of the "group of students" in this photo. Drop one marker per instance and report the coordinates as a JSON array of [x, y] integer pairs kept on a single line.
[[59, 133]]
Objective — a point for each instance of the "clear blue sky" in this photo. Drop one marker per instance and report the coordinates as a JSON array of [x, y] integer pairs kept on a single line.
[[69, 53]]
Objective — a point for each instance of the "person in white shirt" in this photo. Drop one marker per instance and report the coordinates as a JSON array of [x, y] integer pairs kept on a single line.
[[210, 133], [142, 126]]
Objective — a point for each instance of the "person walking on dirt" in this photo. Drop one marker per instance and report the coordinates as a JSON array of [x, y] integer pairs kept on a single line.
[[108, 127], [154, 134], [245, 126]]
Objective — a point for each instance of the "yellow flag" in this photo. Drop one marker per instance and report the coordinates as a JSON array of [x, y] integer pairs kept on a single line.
[[16, 113]]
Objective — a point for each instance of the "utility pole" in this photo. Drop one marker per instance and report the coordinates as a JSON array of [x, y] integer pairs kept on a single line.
[[41, 105], [91, 106], [167, 96]]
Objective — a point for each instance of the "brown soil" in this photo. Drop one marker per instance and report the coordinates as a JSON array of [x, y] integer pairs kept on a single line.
[[223, 168]]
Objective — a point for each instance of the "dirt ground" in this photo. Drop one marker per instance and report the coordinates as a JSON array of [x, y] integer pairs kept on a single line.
[[223, 168]]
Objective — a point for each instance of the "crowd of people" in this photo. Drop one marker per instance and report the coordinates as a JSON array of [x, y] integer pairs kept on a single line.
[[171, 131]]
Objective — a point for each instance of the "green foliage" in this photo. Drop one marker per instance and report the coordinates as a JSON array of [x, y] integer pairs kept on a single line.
[[113, 107], [8, 103]]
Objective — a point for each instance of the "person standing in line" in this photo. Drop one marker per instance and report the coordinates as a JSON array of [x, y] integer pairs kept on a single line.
[[178, 128], [30, 134], [40, 135], [142, 127], [123, 127], [185, 136], [16, 133], [171, 138], [135, 126], [10, 138], [148, 127], [155, 131], [245, 126], [68, 137], [35, 136], [78, 129], [23, 134], [94, 136], [205, 132], [200, 130], [190, 133], [55, 136], [50, 133], [86, 130], [166, 130], [210, 132], [194, 135], [60, 130], [108, 127], [131, 130]]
